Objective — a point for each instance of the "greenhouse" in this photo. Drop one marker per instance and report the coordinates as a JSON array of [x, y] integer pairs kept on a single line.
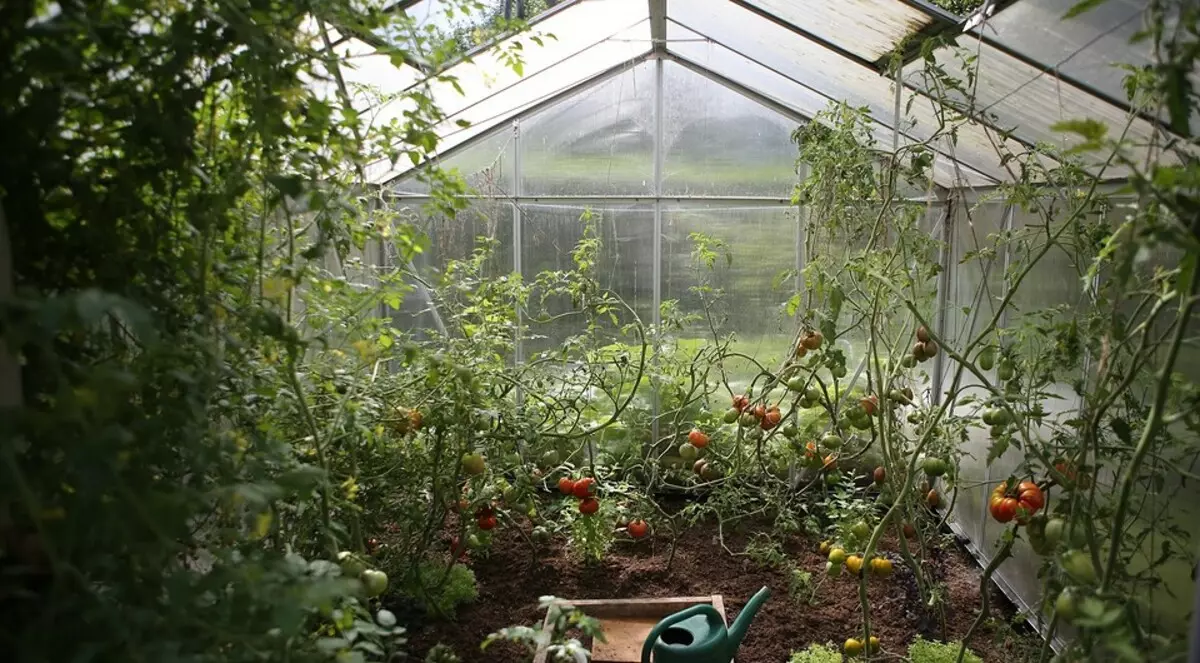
[[791, 331]]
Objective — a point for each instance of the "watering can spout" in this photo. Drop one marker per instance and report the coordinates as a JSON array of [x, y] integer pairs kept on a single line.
[[737, 630]]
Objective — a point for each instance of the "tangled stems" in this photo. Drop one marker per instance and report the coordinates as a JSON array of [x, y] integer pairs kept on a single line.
[[1152, 426], [984, 595]]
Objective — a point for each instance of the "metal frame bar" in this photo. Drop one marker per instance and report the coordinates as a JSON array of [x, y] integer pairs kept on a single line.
[[660, 118], [806, 86], [945, 259], [548, 101], [658, 25], [754, 201], [518, 240]]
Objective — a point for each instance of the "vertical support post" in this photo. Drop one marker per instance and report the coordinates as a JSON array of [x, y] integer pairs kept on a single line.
[[10, 370], [659, 132], [518, 241], [945, 258], [801, 230]]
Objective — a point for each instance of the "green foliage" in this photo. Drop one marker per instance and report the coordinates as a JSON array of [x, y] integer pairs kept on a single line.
[[927, 651], [441, 590], [440, 653], [817, 653], [563, 619]]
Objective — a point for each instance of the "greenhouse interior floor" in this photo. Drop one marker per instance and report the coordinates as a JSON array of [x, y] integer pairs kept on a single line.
[[511, 582]]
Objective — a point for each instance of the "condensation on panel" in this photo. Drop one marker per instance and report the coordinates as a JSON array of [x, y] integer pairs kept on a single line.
[[486, 166], [719, 142], [597, 142], [625, 266], [760, 244]]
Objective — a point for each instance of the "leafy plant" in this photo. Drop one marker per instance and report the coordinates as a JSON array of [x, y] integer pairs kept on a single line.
[[817, 653], [927, 651], [563, 618]]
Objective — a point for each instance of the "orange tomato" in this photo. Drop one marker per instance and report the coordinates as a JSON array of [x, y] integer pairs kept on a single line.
[[698, 438]]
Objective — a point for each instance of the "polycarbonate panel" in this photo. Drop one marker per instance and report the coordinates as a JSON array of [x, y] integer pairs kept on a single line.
[[625, 266], [1090, 48], [723, 62], [493, 92], [1030, 100], [453, 239], [761, 242], [486, 166], [436, 21], [599, 141], [869, 29], [976, 284], [719, 142], [836, 77]]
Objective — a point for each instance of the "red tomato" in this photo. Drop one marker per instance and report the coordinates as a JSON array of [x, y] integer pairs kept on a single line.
[[1030, 496], [588, 506], [1003, 509], [910, 532], [869, 405], [486, 522], [759, 411], [880, 475], [638, 528], [740, 402], [585, 487], [812, 341], [566, 486], [771, 418], [698, 438]]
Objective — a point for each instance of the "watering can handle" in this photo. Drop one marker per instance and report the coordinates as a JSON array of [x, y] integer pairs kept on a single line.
[[670, 621]]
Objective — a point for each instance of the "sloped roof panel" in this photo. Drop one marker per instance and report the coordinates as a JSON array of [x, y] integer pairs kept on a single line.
[[805, 101], [837, 78], [867, 28]]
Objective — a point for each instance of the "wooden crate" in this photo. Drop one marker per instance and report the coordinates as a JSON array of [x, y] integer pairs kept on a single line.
[[627, 622]]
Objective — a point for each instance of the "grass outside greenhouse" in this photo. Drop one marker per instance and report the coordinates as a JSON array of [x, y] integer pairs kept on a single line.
[[497, 331]]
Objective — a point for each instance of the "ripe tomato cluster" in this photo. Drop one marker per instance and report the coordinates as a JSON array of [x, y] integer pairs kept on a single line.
[[584, 489], [1028, 500]]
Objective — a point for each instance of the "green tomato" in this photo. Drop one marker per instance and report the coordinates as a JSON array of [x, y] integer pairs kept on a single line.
[[688, 452], [997, 431], [473, 464], [797, 383], [790, 431], [1066, 606], [511, 495], [1053, 531], [837, 556], [731, 416], [375, 581], [813, 394], [862, 423], [748, 420], [833, 478], [934, 467], [1079, 567], [1006, 371], [833, 570], [838, 370], [352, 565], [831, 441], [550, 459], [987, 358], [908, 361], [861, 530]]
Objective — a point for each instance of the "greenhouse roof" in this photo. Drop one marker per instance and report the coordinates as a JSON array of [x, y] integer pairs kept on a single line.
[[796, 56]]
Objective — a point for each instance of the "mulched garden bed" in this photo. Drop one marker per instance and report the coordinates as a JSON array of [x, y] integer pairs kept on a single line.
[[511, 582]]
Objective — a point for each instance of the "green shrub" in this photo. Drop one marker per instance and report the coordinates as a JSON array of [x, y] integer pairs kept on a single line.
[[815, 653], [442, 598], [925, 651]]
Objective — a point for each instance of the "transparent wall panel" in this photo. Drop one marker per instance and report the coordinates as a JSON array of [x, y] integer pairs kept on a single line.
[[718, 142], [626, 266], [976, 285], [485, 165], [761, 243], [453, 239], [599, 141]]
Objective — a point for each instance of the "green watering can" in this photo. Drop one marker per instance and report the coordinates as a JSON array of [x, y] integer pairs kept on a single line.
[[698, 634]]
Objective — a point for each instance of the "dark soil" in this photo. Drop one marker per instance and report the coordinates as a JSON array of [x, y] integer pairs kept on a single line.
[[511, 582]]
